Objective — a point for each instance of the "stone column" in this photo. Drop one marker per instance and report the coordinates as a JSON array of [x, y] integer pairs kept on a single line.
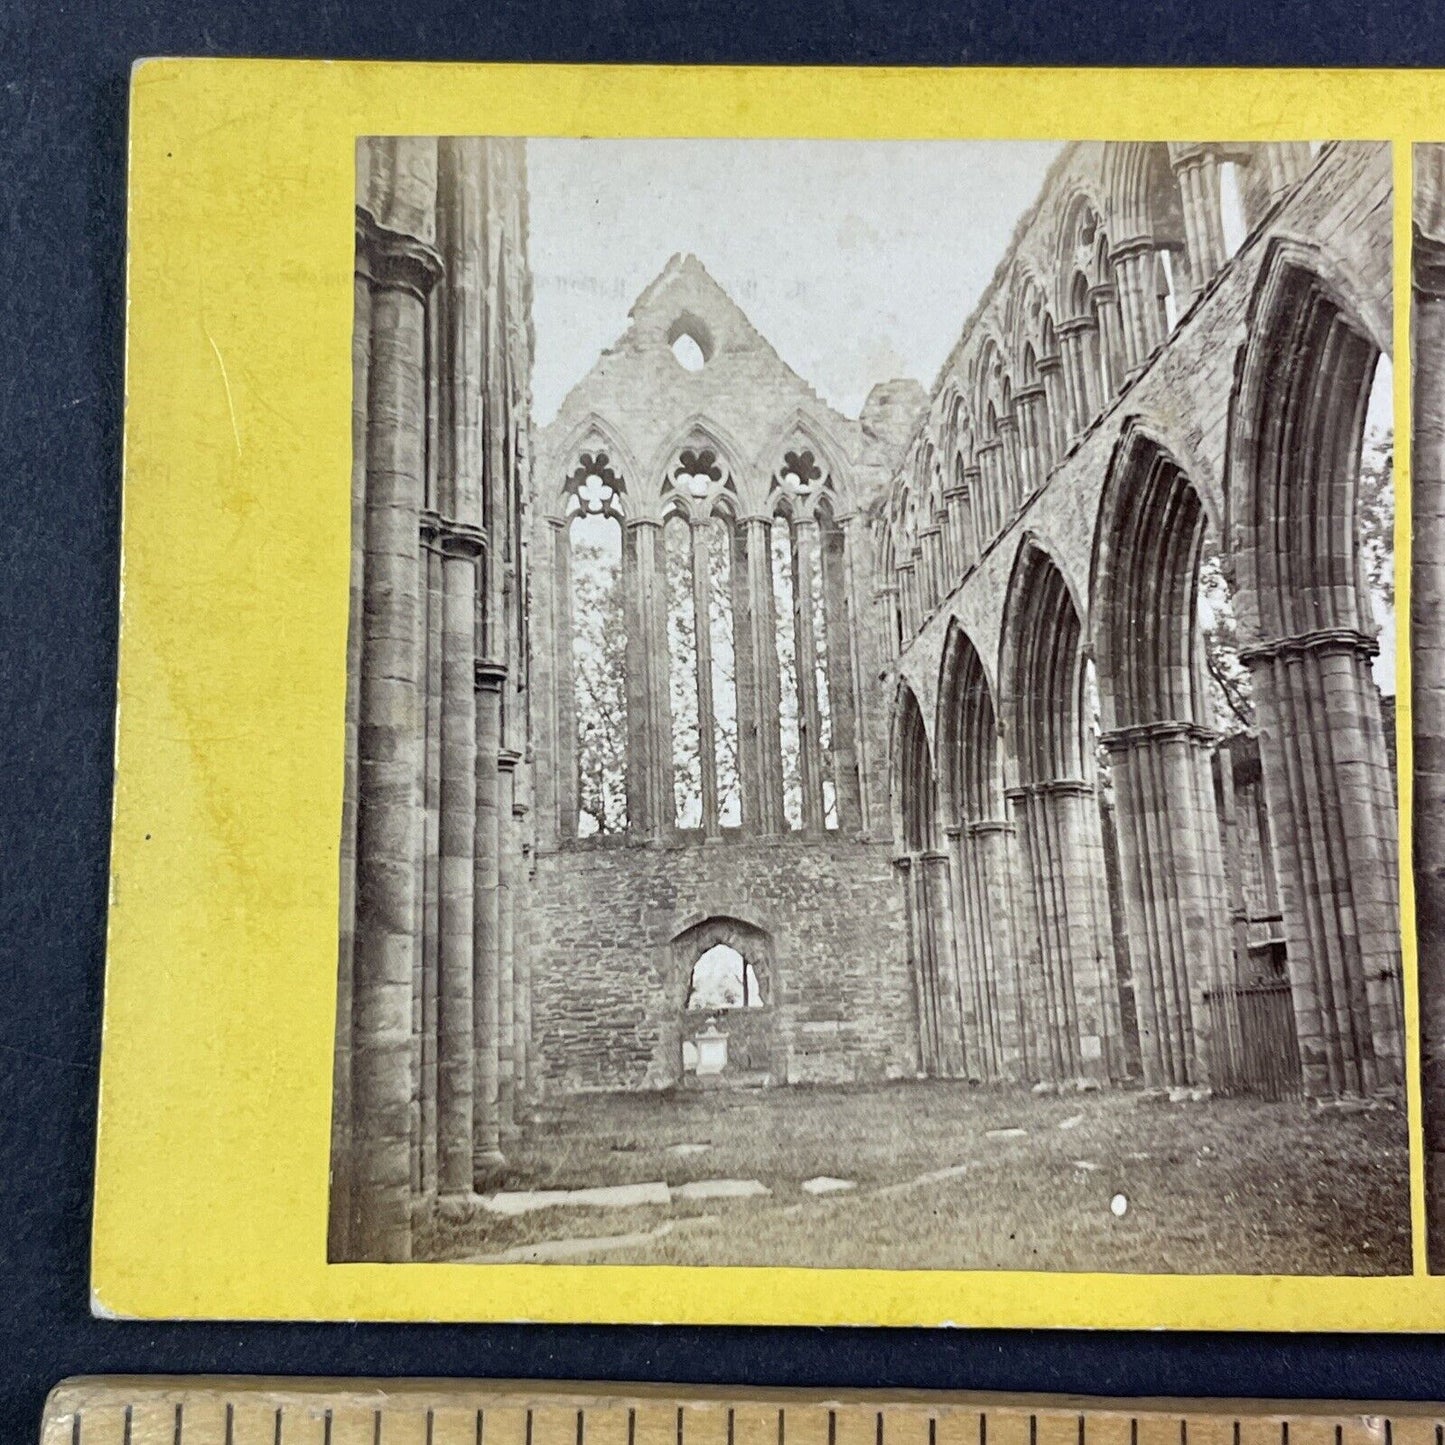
[[937, 889], [1078, 344], [960, 529], [1198, 173], [1105, 299], [1333, 841], [427, 970], [930, 542], [903, 867], [460, 547], [491, 677], [842, 691], [991, 890], [762, 626], [1284, 165], [1056, 407], [521, 953], [907, 608], [1076, 1012], [401, 272], [990, 498], [1012, 465], [565, 780], [650, 808], [745, 675], [1427, 647], [338, 1242], [1049, 997], [1176, 901], [978, 535], [1134, 263], [507, 851], [1029, 403], [702, 642], [805, 544]]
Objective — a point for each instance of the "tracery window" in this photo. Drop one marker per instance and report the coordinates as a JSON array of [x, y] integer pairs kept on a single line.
[[599, 635], [705, 661], [807, 554], [700, 508]]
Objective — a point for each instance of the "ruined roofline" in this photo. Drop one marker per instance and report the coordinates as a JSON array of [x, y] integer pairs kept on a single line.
[[1003, 273], [686, 266]]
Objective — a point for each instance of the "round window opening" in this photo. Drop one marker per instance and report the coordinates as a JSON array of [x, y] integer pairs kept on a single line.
[[691, 344]]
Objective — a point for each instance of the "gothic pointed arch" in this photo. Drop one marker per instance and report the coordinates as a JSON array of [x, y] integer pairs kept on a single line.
[[925, 876], [592, 437], [1294, 458], [980, 844], [809, 443], [1070, 993], [1159, 745]]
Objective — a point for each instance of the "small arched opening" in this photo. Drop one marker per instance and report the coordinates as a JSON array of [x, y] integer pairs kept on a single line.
[[727, 993]]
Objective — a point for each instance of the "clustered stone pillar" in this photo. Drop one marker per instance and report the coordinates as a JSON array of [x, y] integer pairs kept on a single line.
[[1079, 347], [702, 652], [1074, 997], [1011, 484], [1033, 437], [1333, 828], [1105, 300], [805, 545], [491, 677], [988, 985], [1197, 170], [341, 1107], [926, 896], [400, 271], [1136, 265], [761, 682], [650, 806], [564, 774], [990, 489], [508, 858], [962, 547], [842, 681], [1176, 902], [1056, 405], [1427, 633], [435, 516], [461, 548]]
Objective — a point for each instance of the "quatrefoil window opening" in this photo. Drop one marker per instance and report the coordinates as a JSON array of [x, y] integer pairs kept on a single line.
[[800, 473], [595, 485], [698, 473]]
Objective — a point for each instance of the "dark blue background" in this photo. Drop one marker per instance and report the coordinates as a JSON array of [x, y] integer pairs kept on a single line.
[[63, 78]]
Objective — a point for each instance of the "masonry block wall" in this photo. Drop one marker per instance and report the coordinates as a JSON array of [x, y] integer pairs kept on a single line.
[[659, 448], [611, 987]]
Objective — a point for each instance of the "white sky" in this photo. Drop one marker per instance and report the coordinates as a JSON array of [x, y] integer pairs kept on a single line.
[[858, 260]]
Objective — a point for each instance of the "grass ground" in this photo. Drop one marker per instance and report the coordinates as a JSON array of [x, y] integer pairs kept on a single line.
[[1227, 1186]]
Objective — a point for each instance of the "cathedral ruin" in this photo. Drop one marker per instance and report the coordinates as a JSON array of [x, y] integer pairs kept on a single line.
[[890, 743]]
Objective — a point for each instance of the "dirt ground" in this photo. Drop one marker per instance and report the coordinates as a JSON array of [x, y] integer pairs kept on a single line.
[[942, 1178]]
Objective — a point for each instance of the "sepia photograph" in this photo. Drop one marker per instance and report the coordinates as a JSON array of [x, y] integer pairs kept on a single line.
[[1427, 607], [870, 707]]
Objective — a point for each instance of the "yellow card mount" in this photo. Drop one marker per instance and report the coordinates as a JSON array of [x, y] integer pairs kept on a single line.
[[217, 1410]]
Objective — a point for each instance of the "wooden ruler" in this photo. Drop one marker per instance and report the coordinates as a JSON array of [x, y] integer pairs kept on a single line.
[[217, 1410]]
